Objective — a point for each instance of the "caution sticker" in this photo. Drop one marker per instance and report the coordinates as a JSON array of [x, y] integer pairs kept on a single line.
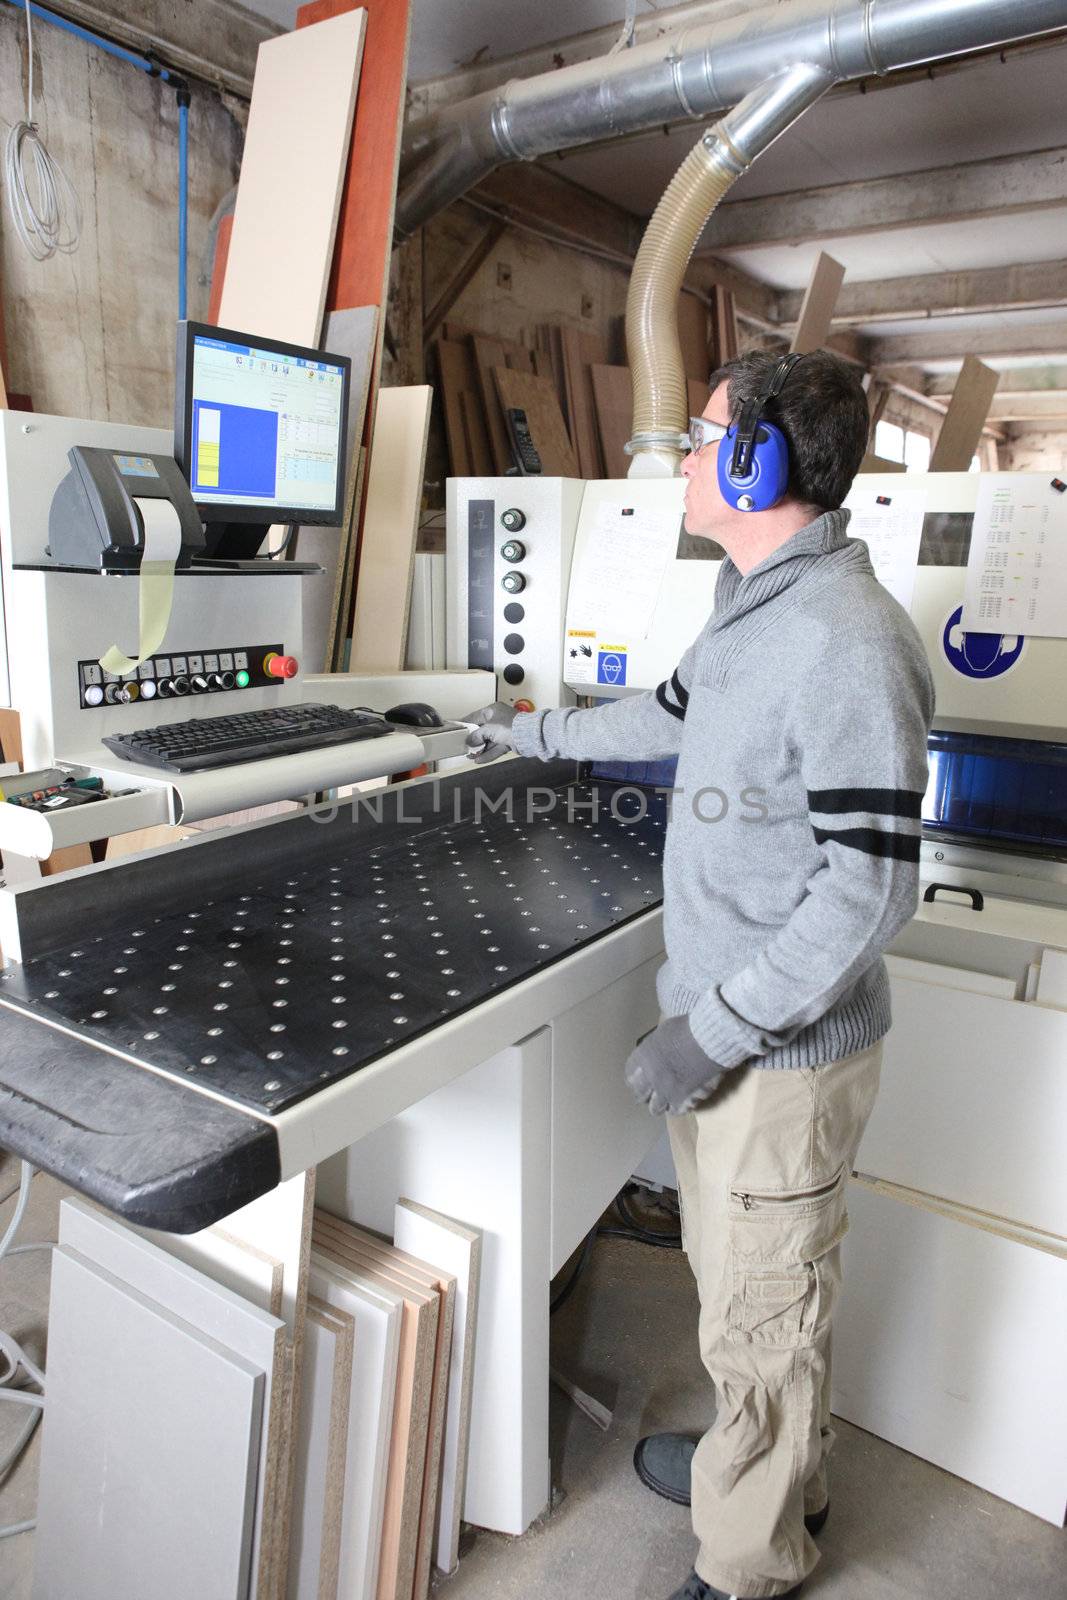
[[611, 665]]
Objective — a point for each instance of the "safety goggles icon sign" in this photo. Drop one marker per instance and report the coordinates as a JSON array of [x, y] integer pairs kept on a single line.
[[611, 667]]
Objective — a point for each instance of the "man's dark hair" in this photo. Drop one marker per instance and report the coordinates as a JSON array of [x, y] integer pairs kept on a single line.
[[822, 410]]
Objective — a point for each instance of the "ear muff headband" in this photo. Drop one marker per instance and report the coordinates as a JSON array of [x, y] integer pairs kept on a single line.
[[754, 475]]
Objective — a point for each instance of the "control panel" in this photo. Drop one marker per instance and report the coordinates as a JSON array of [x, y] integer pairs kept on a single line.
[[508, 563], [177, 676]]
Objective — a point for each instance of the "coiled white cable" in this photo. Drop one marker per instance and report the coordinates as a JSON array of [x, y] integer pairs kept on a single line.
[[12, 1353], [44, 206]]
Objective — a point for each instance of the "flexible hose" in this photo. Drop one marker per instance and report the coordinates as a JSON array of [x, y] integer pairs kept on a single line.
[[661, 406], [712, 167]]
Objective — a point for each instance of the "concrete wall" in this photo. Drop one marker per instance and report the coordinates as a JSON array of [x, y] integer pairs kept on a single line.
[[92, 334], [1035, 450]]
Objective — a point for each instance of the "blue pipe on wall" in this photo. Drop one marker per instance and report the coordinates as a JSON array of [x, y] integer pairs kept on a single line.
[[154, 70]]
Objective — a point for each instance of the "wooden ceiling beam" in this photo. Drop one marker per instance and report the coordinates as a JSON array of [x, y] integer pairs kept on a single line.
[[1033, 285], [999, 187]]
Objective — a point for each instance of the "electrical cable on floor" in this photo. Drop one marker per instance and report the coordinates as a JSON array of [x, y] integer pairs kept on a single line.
[[12, 1353], [44, 206], [634, 1231]]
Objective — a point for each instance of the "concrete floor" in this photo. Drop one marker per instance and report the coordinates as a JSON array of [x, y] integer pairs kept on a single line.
[[899, 1528]]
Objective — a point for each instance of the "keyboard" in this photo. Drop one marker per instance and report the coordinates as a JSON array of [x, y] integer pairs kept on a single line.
[[203, 743]]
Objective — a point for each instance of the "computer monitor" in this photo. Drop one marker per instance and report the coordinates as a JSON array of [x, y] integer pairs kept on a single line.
[[259, 431]]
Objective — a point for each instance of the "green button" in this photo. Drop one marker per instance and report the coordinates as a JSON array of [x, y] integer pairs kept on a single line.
[[242, 680]]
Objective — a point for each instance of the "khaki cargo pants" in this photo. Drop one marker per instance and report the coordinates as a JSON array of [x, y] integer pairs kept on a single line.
[[762, 1170]]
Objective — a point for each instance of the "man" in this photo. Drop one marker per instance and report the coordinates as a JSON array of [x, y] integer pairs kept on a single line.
[[807, 700]]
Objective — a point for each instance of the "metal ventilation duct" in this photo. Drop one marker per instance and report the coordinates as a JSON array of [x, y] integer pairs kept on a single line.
[[698, 72]]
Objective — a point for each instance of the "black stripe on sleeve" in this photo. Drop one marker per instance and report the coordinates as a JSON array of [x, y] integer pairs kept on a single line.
[[675, 711], [681, 693], [899, 846], [885, 802]]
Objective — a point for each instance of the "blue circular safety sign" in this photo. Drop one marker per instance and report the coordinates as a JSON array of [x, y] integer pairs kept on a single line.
[[979, 655]]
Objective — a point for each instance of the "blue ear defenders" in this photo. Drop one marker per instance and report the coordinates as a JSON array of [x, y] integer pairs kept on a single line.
[[754, 473]]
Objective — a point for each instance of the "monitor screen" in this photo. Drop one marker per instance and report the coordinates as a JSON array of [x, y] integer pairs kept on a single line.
[[260, 427]]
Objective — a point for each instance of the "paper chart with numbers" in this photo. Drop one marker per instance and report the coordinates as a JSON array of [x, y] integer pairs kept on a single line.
[[1017, 568], [890, 522]]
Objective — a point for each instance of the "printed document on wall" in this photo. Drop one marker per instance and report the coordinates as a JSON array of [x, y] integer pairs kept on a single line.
[[1017, 568], [890, 523]]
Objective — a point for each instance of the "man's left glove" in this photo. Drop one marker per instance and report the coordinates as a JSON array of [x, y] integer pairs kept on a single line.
[[670, 1072]]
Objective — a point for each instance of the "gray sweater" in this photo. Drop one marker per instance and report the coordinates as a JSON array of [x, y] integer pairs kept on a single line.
[[799, 717]]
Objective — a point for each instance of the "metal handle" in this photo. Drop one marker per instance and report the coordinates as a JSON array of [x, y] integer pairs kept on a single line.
[[977, 898]]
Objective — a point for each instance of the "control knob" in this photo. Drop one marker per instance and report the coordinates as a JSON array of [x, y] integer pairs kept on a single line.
[[514, 551], [513, 582], [199, 683], [121, 694], [221, 680], [513, 519], [173, 687]]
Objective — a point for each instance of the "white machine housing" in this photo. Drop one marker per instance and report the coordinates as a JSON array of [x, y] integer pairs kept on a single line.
[[515, 635], [54, 619]]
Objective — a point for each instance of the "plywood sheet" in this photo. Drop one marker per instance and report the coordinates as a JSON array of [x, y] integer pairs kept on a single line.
[[288, 198], [376, 1316], [488, 354], [456, 1249], [724, 342], [699, 395], [321, 1453], [580, 352], [218, 1305], [949, 1343], [390, 528], [114, 1508], [537, 397], [693, 336], [410, 1428], [614, 398], [469, 450], [406, 1272], [817, 307], [961, 432], [352, 333]]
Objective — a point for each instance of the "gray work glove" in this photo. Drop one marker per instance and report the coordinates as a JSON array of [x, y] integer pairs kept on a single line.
[[492, 736], [670, 1072]]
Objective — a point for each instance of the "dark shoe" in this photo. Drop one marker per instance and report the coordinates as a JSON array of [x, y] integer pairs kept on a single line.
[[694, 1588], [664, 1463]]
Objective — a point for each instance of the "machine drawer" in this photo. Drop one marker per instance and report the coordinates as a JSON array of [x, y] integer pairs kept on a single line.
[[38, 833], [973, 1103], [600, 1134]]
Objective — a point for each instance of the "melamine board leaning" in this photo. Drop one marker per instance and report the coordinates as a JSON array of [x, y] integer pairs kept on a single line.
[[289, 195]]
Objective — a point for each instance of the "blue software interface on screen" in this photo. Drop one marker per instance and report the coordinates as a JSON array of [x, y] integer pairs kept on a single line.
[[266, 427]]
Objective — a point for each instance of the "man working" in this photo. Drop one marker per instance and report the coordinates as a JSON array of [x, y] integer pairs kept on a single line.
[[809, 691]]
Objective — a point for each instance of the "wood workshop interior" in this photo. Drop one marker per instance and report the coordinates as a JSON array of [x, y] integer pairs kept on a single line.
[[533, 800]]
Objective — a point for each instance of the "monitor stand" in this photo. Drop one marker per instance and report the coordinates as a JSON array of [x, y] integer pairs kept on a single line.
[[235, 541]]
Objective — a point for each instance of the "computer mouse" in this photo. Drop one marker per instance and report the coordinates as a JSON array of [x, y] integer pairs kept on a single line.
[[415, 714]]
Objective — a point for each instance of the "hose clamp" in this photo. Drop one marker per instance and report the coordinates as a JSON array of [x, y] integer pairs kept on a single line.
[[657, 439]]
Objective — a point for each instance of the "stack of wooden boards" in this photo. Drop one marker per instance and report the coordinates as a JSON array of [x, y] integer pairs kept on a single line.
[[242, 1425], [578, 405]]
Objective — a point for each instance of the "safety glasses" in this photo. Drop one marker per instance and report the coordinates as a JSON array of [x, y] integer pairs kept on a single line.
[[702, 432]]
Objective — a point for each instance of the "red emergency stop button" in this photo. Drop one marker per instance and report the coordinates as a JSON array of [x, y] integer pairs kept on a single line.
[[276, 666], [524, 705]]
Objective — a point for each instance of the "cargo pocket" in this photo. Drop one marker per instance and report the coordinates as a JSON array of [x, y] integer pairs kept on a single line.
[[780, 1286]]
